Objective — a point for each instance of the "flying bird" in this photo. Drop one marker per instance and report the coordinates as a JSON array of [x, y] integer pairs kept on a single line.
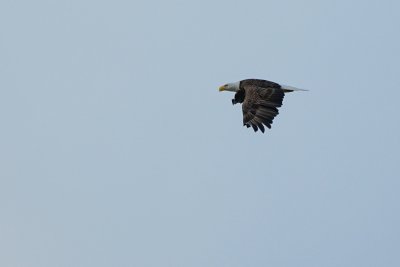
[[260, 100]]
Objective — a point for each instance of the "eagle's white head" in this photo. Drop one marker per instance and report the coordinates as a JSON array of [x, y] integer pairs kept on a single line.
[[232, 87]]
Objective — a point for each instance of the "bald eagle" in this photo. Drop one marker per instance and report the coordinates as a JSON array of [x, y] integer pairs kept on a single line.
[[260, 100]]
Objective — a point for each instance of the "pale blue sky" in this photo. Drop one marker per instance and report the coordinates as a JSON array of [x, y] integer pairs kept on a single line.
[[117, 149]]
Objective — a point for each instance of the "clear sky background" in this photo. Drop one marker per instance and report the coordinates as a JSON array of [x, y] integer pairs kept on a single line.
[[117, 149]]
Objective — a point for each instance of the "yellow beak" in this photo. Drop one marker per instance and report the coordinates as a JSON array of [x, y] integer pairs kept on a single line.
[[222, 88]]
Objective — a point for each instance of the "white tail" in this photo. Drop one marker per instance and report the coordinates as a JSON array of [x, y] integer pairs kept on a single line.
[[291, 88]]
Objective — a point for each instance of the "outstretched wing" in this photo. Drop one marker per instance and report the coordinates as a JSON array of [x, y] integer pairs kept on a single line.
[[260, 106]]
